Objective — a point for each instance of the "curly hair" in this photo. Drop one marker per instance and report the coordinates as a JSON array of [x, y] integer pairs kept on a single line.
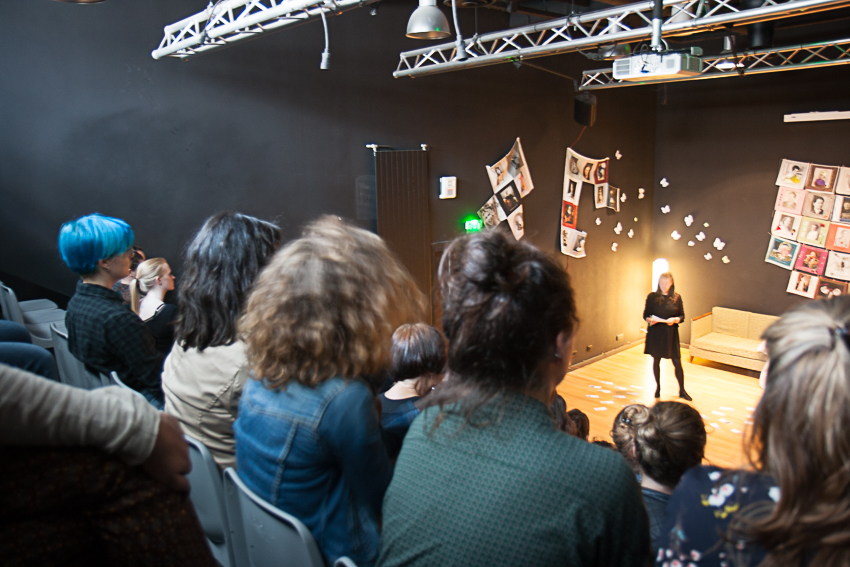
[[623, 432], [327, 305], [799, 437]]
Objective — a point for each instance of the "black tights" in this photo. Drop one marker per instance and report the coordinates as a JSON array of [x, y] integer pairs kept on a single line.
[[677, 365]]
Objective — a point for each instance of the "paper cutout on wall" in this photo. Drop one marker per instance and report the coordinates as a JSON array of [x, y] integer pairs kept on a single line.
[[622, 197], [719, 244], [641, 193], [617, 154], [705, 224], [580, 171], [707, 256], [675, 235], [725, 259], [614, 247], [691, 243], [701, 236], [598, 221], [665, 209], [618, 229], [631, 233], [664, 182], [636, 219], [689, 220]]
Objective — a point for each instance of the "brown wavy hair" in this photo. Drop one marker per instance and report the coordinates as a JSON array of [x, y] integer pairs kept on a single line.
[[327, 305], [800, 438], [623, 432]]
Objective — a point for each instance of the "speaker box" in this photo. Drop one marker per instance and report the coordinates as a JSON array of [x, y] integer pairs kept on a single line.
[[584, 110]]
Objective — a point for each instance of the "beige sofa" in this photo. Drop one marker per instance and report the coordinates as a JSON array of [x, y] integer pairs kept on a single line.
[[730, 336]]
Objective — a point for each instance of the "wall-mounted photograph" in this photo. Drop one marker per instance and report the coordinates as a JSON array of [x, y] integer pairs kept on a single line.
[[838, 238], [613, 198], [802, 284], [842, 185], [827, 288], [600, 196], [813, 231], [508, 196], [790, 200], [793, 174], [838, 266], [822, 177], [568, 215], [786, 225], [600, 174], [818, 205], [811, 260], [782, 252]]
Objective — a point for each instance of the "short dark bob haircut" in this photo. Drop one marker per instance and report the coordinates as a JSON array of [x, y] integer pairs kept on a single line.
[[418, 351], [221, 264]]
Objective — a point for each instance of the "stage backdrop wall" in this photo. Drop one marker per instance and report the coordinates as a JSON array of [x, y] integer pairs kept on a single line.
[[719, 144], [89, 122]]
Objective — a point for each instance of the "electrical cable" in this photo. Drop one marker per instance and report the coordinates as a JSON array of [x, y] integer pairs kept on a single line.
[[326, 54], [579, 136]]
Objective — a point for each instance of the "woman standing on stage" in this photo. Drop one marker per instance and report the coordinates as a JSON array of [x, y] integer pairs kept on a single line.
[[663, 313]]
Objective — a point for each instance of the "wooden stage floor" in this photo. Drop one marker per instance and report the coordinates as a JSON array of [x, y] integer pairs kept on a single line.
[[723, 395]]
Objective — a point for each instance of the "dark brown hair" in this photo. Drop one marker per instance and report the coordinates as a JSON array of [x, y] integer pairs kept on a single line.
[[800, 438], [558, 407], [327, 305], [222, 261], [581, 422], [504, 304], [418, 351], [669, 439], [623, 432]]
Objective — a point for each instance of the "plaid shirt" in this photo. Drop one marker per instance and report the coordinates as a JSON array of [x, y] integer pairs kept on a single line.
[[105, 335]]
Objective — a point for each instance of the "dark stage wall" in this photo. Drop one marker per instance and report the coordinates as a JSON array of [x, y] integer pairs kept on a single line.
[[719, 143], [90, 122]]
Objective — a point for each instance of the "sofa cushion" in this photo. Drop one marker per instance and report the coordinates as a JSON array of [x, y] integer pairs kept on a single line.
[[730, 322], [725, 344], [758, 324]]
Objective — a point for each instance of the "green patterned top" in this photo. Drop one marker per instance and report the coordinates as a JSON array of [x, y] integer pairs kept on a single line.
[[515, 492]]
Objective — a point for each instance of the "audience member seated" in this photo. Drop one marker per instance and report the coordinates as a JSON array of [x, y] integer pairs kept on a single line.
[[16, 349], [483, 477], [102, 332], [558, 407], [419, 361], [147, 294], [795, 508], [92, 478], [308, 435], [660, 443], [122, 286], [581, 422], [204, 374]]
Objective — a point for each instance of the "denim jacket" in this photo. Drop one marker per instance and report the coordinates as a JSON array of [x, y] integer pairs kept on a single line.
[[317, 453]]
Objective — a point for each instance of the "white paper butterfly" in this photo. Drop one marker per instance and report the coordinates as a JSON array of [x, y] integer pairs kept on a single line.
[[705, 225], [689, 220], [614, 247], [617, 154], [622, 197], [631, 233], [598, 221], [691, 243], [665, 209], [725, 259], [719, 244], [701, 236], [707, 256], [619, 228], [664, 182], [676, 235], [641, 193]]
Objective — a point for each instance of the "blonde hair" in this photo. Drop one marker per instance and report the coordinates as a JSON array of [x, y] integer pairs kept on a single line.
[[146, 274], [327, 305], [799, 437]]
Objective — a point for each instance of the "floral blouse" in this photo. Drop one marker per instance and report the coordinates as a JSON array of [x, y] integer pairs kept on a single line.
[[699, 514]]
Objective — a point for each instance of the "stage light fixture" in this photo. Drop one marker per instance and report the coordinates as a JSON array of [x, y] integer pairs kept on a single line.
[[728, 62], [428, 22]]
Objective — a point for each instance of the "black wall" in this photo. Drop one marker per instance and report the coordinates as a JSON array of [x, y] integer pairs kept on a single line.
[[90, 122], [719, 143]]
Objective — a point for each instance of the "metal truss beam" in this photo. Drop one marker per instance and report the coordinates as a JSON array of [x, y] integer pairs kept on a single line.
[[581, 31], [807, 56], [231, 21]]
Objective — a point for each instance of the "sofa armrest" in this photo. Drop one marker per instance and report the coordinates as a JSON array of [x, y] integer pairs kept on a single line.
[[700, 326]]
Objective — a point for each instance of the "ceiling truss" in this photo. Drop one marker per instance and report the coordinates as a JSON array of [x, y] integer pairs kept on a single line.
[[232, 21], [622, 24], [822, 54]]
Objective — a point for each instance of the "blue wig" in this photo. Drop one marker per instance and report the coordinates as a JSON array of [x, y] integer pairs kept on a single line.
[[89, 239]]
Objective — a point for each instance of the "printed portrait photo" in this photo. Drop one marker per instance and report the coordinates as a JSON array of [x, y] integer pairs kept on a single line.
[[838, 238], [793, 174], [802, 284], [600, 196], [822, 178], [568, 215], [572, 190], [842, 184], [489, 213], [613, 198], [508, 197], [573, 242], [790, 200], [818, 205], [587, 172], [838, 266], [785, 225], [515, 221], [782, 252], [600, 173], [813, 231], [841, 209], [811, 260], [827, 288]]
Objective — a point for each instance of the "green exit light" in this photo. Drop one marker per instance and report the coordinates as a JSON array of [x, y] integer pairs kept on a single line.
[[472, 224]]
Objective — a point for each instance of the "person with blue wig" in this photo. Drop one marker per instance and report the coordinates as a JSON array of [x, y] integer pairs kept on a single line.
[[102, 332]]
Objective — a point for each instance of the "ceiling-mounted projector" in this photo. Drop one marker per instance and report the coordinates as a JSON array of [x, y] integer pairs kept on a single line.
[[651, 66]]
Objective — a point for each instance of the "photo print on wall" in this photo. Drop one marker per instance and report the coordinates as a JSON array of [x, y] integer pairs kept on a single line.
[[572, 242], [512, 166], [568, 215], [838, 266], [517, 224], [600, 193], [827, 289], [509, 196], [510, 180], [813, 231], [793, 174], [613, 198], [822, 178], [803, 284], [811, 259], [841, 209], [789, 200], [842, 185], [581, 171], [782, 252], [838, 238], [491, 212], [818, 205], [786, 225]]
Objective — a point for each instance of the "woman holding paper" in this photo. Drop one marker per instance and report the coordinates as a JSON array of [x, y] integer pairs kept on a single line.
[[663, 312]]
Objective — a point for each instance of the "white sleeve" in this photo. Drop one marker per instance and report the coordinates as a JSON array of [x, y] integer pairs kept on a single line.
[[39, 412]]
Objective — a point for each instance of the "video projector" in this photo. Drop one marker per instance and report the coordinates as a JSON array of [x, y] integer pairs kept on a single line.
[[651, 66]]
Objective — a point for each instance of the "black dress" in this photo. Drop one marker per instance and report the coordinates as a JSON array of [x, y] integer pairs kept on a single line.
[[161, 326], [662, 340]]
